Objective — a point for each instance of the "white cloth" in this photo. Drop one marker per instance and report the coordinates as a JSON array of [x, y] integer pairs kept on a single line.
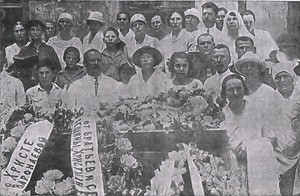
[[264, 43], [262, 167], [81, 93], [60, 46], [126, 39], [138, 87], [10, 52], [132, 46], [214, 83], [97, 42], [193, 85], [11, 92]]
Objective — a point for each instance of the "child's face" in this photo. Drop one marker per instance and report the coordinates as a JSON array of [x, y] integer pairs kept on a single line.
[[71, 59], [125, 74], [110, 38]]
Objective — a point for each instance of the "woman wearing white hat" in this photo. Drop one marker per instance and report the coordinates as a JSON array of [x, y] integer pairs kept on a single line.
[[94, 39], [266, 121], [64, 39], [138, 25]]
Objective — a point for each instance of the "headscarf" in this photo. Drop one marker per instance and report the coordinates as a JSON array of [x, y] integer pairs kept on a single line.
[[284, 67], [242, 30]]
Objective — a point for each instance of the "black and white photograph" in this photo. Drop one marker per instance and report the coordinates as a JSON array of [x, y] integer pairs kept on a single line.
[[149, 98]]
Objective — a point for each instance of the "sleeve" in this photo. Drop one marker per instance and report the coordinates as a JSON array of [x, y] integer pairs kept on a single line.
[[20, 96]]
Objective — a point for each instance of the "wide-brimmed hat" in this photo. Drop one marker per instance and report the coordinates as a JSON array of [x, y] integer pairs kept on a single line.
[[66, 16], [250, 57], [32, 23], [146, 49], [96, 16], [193, 12], [138, 17]]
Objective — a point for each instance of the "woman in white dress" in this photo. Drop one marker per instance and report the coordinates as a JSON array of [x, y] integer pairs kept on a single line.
[[14, 49], [245, 128], [64, 39], [180, 66]]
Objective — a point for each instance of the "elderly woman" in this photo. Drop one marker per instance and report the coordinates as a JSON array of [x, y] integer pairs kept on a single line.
[[138, 25], [14, 49], [245, 127], [181, 68], [288, 152], [148, 79], [64, 39]]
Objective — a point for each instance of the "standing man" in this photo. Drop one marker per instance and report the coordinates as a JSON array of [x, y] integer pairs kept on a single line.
[[157, 27], [209, 16], [36, 29], [93, 88], [123, 22], [94, 39], [202, 63], [221, 60], [220, 18], [262, 39], [50, 30]]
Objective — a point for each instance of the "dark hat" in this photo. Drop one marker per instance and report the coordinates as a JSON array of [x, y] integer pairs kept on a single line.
[[146, 49], [32, 23]]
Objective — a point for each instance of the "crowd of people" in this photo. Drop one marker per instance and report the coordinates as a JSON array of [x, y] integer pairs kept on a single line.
[[242, 67]]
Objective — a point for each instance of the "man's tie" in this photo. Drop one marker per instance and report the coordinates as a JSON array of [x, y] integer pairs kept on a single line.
[[96, 84]]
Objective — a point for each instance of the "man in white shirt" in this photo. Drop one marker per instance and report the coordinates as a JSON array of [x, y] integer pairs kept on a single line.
[[12, 92], [209, 16], [262, 39], [93, 88], [123, 22], [221, 60]]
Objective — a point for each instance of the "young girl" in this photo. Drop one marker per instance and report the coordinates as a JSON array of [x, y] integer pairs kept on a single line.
[[73, 71]]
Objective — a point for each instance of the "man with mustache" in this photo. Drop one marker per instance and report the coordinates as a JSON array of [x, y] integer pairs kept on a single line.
[[93, 88], [221, 60]]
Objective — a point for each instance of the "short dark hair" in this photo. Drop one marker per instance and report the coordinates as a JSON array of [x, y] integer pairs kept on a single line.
[[243, 39], [182, 16], [221, 46], [85, 55], [111, 29], [230, 77], [46, 63], [126, 13], [181, 55], [222, 9], [72, 49], [210, 5], [206, 35], [248, 12]]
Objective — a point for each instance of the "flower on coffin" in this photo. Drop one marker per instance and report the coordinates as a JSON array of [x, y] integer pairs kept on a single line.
[[123, 144], [106, 160], [116, 183], [17, 131], [128, 161], [8, 144], [66, 187], [53, 175]]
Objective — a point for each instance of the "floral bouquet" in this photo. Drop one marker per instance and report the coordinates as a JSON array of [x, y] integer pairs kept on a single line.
[[182, 109], [121, 171]]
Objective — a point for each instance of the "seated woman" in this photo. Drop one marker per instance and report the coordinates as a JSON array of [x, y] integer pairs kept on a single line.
[[246, 130], [73, 71], [181, 67], [46, 96], [148, 79]]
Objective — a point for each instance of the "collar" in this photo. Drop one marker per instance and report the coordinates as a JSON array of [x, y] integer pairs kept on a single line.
[[119, 52], [54, 86], [180, 35]]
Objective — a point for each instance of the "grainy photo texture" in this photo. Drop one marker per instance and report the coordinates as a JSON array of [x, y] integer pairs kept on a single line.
[[149, 98]]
